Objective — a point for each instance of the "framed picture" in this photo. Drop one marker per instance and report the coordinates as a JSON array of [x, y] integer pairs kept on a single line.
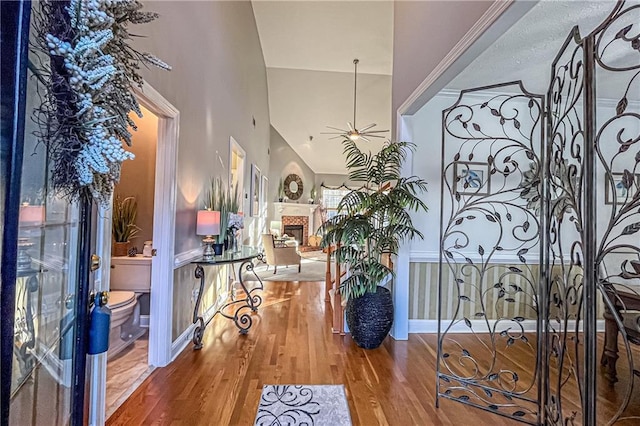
[[264, 189], [471, 178], [255, 190], [625, 185]]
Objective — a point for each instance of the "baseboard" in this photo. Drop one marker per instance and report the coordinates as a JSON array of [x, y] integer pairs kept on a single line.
[[431, 326], [144, 321], [185, 338]]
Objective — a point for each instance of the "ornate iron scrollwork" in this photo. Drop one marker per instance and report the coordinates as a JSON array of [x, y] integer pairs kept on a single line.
[[588, 226], [491, 140]]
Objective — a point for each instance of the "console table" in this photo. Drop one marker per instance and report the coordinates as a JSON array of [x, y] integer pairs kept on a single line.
[[250, 300], [621, 300]]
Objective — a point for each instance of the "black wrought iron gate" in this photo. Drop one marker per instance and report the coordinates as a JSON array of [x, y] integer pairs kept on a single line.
[[540, 236]]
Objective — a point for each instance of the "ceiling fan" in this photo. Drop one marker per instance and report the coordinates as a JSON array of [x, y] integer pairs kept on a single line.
[[353, 132]]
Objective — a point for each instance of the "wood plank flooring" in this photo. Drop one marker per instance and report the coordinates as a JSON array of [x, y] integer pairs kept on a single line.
[[291, 343]]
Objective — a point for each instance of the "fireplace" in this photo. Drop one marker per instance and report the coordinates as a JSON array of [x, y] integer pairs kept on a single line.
[[297, 226], [295, 231], [296, 214]]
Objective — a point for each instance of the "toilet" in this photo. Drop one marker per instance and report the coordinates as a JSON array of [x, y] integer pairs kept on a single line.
[[130, 278]]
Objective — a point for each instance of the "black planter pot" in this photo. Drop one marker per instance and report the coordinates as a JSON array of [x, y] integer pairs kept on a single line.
[[370, 318]]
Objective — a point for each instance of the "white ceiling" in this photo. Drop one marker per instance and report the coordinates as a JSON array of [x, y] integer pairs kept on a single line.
[[525, 52], [308, 48]]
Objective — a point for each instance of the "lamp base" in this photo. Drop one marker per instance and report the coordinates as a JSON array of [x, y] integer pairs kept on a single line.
[[207, 253]]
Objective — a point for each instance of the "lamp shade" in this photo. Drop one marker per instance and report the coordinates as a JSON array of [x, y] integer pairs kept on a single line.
[[208, 222], [31, 215]]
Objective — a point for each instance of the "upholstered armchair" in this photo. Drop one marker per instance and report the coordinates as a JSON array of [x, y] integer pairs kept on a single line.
[[279, 256]]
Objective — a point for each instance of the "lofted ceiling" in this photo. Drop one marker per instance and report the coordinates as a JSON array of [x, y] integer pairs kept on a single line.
[[308, 48], [526, 51]]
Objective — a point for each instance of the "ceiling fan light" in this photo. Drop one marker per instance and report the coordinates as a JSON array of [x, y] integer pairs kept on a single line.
[[354, 136]]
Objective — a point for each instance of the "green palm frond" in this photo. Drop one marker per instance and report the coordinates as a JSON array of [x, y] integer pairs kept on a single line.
[[123, 219], [374, 219]]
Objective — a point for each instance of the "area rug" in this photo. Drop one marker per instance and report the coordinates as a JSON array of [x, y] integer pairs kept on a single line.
[[294, 405], [313, 268], [309, 271]]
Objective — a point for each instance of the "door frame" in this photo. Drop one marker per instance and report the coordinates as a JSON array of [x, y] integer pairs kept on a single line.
[[162, 264], [164, 224]]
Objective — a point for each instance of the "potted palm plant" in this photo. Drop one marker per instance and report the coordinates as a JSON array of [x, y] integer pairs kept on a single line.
[[371, 223], [124, 224]]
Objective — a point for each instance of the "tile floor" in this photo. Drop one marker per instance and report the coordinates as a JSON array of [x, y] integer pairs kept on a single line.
[[125, 372]]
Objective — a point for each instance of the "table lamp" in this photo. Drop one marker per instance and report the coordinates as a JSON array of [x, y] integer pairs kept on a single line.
[[30, 216], [208, 224]]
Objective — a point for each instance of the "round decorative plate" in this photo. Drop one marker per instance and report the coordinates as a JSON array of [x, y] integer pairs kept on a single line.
[[293, 187]]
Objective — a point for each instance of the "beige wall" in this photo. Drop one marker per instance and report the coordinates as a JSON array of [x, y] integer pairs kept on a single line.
[[424, 33], [285, 161], [138, 176], [219, 85]]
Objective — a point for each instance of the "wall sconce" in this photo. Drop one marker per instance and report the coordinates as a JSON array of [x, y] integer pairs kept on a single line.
[[208, 224], [30, 216]]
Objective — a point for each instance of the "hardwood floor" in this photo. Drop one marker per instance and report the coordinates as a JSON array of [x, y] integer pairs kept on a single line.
[[291, 343]]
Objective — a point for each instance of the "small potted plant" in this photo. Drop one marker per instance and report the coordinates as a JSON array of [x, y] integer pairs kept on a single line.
[[124, 227], [371, 223], [281, 190]]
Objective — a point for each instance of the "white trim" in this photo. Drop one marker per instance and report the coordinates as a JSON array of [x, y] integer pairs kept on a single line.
[[429, 256], [235, 146], [164, 216], [431, 326], [400, 328], [97, 364], [488, 94], [186, 257], [144, 321], [483, 33]]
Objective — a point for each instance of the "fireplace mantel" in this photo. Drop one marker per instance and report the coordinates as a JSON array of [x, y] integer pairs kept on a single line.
[[292, 209]]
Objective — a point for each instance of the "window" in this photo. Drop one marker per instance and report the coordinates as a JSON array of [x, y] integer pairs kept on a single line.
[[331, 198]]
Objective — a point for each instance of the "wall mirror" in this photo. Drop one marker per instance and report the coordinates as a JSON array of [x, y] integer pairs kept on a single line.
[[293, 187]]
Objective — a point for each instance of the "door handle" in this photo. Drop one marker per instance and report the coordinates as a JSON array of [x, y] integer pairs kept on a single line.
[[95, 262]]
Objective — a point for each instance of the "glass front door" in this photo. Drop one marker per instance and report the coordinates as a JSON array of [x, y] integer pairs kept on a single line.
[[49, 336]]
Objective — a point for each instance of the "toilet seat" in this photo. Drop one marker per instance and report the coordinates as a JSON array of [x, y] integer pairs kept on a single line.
[[120, 298]]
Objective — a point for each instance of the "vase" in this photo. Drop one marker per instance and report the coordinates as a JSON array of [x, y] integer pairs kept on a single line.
[[120, 248], [370, 317], [218, 249]]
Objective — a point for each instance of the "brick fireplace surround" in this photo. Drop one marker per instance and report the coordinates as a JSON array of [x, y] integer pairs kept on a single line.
[[298, 220]]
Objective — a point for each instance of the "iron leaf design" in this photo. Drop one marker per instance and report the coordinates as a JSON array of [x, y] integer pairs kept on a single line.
[[631, 229], [622, 106]]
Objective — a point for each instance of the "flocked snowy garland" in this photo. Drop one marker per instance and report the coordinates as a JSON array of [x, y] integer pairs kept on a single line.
[[84, 117]]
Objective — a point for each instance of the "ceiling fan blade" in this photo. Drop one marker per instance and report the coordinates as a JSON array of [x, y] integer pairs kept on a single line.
[[335, 128], [365, 128], [373, 136], [350, 126], [364, 139], [377, 131], [336, 137], [332, 133]]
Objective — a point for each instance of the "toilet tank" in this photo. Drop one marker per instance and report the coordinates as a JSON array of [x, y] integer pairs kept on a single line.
[[131, 273]]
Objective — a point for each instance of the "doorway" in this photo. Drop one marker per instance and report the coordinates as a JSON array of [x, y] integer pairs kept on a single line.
[[130, 274], [162, 225]]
